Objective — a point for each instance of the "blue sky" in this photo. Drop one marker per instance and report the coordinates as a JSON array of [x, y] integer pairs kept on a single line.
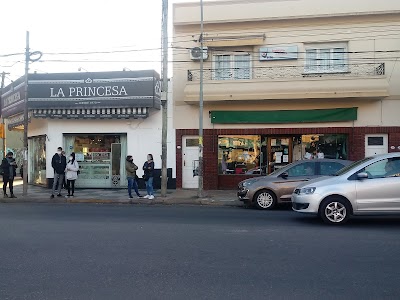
[[82, 26]]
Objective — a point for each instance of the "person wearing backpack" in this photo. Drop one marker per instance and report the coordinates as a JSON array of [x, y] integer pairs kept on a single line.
[[71, 173], [8, 168]]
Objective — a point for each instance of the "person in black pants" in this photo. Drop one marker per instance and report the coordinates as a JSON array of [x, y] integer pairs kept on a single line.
[[59, 163], [71, 174], [8, 166]]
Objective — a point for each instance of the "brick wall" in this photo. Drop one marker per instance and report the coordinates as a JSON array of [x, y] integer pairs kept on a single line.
[[394, 140], [212, 180]]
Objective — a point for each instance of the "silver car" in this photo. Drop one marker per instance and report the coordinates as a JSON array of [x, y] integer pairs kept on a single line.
[[369, 186], [266, 191]]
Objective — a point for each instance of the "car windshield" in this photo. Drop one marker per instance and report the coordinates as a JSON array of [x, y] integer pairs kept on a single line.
[[351, 166]]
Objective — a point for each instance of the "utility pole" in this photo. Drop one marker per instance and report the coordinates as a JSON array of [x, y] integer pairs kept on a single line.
[[200, 191], [164, 99], [3, 76], [25, 164]]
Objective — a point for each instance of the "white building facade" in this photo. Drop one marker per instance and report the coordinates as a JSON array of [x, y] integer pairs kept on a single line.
[[101, 117]]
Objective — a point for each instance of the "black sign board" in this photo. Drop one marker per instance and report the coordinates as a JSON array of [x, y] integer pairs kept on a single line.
[[95, 90], [85, 90], [13, 98]]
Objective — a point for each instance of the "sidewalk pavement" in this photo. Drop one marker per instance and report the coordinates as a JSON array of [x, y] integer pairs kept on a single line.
[[38, 194]]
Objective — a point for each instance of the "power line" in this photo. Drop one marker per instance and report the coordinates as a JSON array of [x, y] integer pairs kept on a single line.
[[11, 54], [212, 49], [350, 61], [230, 33]]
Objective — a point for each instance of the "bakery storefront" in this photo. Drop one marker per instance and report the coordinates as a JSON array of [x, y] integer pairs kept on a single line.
[[101, 117]]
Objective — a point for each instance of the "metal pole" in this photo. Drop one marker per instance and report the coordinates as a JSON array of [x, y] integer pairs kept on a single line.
[[3, 76], [200, 191], [164, 100], [25, 165]]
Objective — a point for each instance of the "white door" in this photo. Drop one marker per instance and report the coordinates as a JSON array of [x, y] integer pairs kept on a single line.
[[376, 144], [190, 156]]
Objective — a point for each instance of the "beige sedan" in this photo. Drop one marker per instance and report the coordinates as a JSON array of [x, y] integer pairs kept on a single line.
[[266, 191]]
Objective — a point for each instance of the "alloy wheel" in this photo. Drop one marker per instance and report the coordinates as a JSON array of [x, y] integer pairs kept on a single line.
[[335, 212], [265, 200]]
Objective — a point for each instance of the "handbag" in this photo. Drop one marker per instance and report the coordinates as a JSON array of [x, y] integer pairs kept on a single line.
[[77, 172]]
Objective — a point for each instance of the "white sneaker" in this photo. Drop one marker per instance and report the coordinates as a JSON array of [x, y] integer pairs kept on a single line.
[[151, 197], [146, 197]]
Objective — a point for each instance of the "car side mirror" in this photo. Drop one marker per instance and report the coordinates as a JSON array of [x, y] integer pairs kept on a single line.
[[285, 175], [362, 175]]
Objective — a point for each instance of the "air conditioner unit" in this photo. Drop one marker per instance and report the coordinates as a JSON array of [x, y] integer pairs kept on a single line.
[[196, 53]]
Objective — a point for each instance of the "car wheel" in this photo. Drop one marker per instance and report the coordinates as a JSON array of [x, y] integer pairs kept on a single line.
[[264, 199], [334, 211]]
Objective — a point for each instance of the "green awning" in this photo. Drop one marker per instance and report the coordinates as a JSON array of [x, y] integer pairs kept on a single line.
[[284, 116]]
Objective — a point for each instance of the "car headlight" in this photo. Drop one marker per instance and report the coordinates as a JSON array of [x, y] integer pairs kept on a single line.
[[307, 190], [247, 183]]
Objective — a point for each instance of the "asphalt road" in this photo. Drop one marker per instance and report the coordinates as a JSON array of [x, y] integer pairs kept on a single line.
[[66, 251]]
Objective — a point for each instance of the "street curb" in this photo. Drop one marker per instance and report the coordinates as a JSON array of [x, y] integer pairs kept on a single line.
[[157, 201]]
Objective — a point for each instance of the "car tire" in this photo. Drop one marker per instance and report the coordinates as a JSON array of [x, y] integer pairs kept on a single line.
[[265, 200], [335, 211]]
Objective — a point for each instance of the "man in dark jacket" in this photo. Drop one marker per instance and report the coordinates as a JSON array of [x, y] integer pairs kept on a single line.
[[8, 167], [59, 163]]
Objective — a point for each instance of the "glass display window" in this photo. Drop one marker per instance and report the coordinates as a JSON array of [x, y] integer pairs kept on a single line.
[[100, 157], [37, 164], [239, 154], [332, 146], [93, 148]]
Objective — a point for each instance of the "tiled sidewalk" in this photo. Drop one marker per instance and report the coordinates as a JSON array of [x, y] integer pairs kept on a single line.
[[120, 196]]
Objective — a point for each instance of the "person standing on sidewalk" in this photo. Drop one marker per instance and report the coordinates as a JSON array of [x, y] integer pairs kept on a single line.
[[71, 173], [131, 176], [9, 166], [148, 168], [59, 163]]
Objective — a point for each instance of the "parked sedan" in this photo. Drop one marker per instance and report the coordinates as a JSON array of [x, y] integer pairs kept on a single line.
[[266, 191], [369, 186]]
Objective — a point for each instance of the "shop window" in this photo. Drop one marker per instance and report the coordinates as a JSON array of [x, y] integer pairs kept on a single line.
[[333, 146], [239, 154], [100, 157], [37, 154]]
